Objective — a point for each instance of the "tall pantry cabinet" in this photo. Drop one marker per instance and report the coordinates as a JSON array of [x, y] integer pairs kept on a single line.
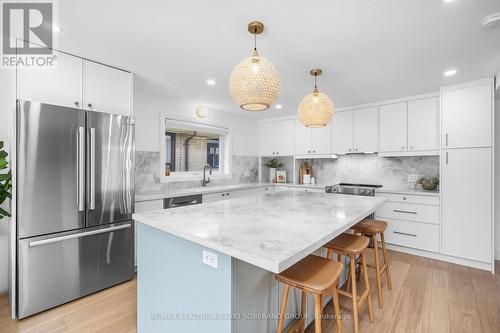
[[467, 169]]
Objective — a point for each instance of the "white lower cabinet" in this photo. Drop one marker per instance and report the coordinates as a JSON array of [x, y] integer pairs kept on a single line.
[[417, 235], [232, 194], [414, 221], [144, 206], [466, 186]]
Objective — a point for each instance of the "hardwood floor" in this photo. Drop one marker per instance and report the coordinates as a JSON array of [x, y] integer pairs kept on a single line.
[[427, 296]]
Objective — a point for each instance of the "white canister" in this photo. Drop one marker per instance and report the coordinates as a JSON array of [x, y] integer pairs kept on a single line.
[[272, 175], [313, 180], [307, 179]]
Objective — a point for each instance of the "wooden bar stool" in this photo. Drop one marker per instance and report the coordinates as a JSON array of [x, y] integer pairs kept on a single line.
[[372, 228], [351, 246], [318, 276]]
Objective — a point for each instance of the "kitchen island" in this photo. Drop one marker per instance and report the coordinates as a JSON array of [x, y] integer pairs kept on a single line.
[[243, 242]]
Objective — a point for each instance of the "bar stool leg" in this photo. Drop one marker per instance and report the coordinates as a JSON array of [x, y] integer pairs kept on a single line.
[[377, 272], [303, 305], [317, 313], [386, 262], [352, 266], [284, 300], [336, 307], [367, 286]]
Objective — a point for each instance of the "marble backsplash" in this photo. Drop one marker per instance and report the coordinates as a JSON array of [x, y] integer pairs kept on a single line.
[[373, 169], [147, 173]]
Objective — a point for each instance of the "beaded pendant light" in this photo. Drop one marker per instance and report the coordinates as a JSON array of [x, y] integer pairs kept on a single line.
[[316, 109], [254, 83]]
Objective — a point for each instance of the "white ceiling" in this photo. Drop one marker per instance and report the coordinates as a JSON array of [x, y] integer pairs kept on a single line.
[[368, 50]]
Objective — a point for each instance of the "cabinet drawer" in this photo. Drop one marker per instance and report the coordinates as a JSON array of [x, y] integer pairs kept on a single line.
[[144, 206], [410, 211], [417, 235], [416, 199]]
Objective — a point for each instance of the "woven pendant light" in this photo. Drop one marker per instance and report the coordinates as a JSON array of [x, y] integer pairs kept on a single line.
[[316, 109], [254, 83]]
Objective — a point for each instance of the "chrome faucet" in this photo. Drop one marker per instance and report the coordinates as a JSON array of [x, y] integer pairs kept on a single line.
[[206, 180]]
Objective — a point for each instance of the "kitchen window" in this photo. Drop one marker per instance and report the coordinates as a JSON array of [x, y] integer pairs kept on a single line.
[[188, 147]]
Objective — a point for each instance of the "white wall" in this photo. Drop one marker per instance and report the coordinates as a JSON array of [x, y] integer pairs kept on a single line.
[[497, 175], [147, 109], [7, 109]]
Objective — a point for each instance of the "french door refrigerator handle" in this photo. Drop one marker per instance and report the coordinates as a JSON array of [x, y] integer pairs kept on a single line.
[[81, 169], [77, 235], [92, 169]]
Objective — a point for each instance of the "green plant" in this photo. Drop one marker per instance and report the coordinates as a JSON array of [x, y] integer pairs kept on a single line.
[[5, 179], [273, 163]]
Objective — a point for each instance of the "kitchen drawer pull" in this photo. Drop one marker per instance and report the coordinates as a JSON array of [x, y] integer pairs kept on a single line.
[[404, 233], [404, 211], [77, 235]]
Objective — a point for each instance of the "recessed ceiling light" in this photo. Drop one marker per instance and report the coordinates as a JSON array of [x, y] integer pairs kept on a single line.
[[278, 106], [450, 72], [211, 82], [56, 28], [447, 1]]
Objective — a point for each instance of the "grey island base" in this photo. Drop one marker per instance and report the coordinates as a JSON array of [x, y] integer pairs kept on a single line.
[[212, 266]]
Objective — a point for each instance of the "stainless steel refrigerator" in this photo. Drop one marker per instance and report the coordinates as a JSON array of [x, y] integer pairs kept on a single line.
[[75, 199]]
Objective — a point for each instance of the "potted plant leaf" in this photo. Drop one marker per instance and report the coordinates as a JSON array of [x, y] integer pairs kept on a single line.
[[273, 164], [5, 178]]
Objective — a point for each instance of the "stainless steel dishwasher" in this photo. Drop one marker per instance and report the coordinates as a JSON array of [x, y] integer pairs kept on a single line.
[[186, 200]]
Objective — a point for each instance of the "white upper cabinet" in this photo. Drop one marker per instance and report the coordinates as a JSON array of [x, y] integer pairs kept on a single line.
[[312, 140], [393, 127], [107, 89], [467, 115], [321, 140], [423, 124], [277, 137], [366, 130], [342, 132], [59, 85], [303, 139], [285, 133], [267, 133]]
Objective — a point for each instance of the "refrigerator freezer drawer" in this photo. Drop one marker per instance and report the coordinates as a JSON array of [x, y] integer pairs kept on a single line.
[[58, 268]]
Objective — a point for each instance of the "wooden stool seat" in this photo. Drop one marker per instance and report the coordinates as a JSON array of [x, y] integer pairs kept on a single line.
[[351, 246], [318, 276], [346, 244], [370, 227], [314, 274]]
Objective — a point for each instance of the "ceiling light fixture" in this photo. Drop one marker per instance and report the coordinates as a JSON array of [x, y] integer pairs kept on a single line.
[[254, 83], [278, 106], [450, 72], [316, 109], [201, 111], [211, 82]]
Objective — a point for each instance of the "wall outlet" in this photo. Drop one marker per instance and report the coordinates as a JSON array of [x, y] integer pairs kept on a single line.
[[412, 178], [210, 259]]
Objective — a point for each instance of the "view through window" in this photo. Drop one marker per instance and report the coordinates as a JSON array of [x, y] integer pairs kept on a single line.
[[188, 150]]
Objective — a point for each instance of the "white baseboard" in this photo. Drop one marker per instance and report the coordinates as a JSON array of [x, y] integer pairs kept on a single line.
[[437, 256]]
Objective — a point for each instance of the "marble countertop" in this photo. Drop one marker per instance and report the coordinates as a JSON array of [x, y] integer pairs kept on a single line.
[[155, 195], [408, 191], [270, 230]]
